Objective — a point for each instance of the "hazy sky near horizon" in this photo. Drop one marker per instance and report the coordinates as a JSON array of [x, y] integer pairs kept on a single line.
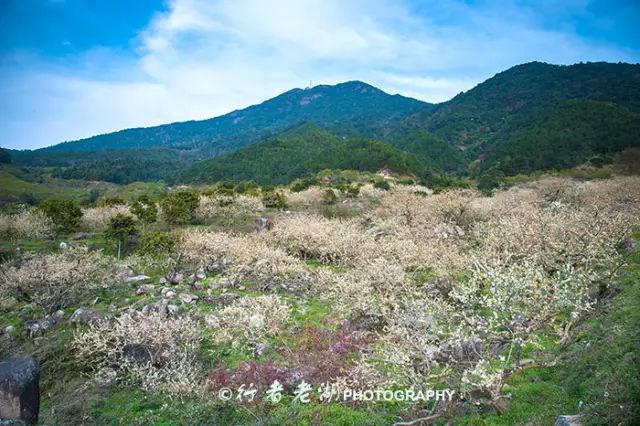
[[75, 68]]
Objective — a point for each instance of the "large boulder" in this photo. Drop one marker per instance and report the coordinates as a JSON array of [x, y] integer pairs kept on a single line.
[[263, 224], [35, 328], [20, 389]]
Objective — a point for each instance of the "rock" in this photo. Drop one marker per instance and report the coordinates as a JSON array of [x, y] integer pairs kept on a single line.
[[628, 244], [20, 389], [145, 289], [87, 316], [173, 310], [188, 298], [198, 285], [201, 274], [120, 272], [137, 352], [8, 329], [263, 224], [260, 349], [222, 300], [222, 283], [175, 277], [63, 245], [136, 278], [568, 421], [36, 328], [163, 281], [80, 236]]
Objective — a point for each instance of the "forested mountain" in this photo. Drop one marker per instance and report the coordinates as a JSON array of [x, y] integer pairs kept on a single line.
[[529, 117], [304, 150], [567, 136], [351, 107], [490, 113]]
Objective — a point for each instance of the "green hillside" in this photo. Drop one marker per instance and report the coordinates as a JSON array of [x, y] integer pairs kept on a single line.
[[568, 136], [301, 151], [490, 113]]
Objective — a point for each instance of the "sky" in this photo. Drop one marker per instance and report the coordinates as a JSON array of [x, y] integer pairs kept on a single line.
[[71, 69]]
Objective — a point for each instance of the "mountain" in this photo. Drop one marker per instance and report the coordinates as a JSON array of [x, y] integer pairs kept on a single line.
[[488, 114], [566, 136], [532, 116], [351, 108], [304, 150]]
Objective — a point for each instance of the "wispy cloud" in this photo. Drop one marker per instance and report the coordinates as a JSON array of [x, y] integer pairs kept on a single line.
[[199, 59]]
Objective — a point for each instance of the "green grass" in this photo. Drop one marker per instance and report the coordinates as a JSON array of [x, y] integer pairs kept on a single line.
[[596, 375]]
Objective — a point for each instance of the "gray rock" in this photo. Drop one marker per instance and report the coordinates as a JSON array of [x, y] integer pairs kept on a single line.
[[8, 329], [222, 300], [173, 310], [628, 244], [188, 298], [63, 245], [87, 316], [222, 283], [36, 328], [145, 289], [136, 278], [201, 274], [263, 224], [137, 352], [198, 285], [175, 277], [568, 421], [20, 389], [121, 272]]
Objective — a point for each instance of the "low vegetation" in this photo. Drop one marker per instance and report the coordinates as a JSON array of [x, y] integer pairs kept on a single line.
[[491, 296]]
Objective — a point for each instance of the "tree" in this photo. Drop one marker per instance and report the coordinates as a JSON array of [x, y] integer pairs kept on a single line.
[[120, 228], [5, 157], [64, 213], [145, 209], [179, 207]]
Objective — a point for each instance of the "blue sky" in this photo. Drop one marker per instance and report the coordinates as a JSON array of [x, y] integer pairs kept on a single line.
[[75, 68]]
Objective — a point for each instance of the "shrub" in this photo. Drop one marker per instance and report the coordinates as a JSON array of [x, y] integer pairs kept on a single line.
[[247, 187], [211, 206], [179, 207], [65, 214], [350, 191], [156, 244], [53, 281], [301, 184], [110, 201], [149, 350], [120, 228], [97, 218], [145, 209], [276, 200], [382, 184], [26, 223], [329, 196]]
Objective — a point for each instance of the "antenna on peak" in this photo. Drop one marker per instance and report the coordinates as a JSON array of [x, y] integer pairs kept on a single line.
[[310, 85]]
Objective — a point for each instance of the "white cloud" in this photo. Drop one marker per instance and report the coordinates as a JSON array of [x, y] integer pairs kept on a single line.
[[204, 58]]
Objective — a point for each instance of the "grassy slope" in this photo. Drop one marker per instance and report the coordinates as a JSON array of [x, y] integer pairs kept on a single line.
[[596, 375]]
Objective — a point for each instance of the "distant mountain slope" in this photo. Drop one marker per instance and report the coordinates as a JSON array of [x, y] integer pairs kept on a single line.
[[301, 151], [488, 114], [354, 107], [567, 136]]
